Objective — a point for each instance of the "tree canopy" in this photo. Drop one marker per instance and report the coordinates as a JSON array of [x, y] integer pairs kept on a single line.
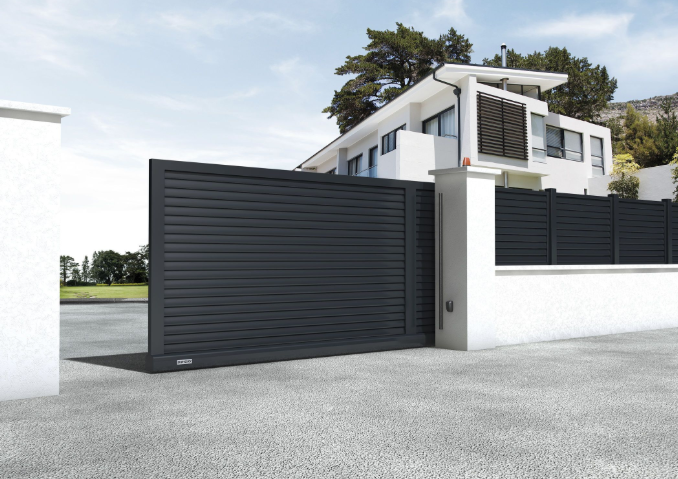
[[394, 61], [107, 266], [587, 91]]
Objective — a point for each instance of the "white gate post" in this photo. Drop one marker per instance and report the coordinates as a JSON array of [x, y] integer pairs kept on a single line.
[[465, 258], [30, 142]]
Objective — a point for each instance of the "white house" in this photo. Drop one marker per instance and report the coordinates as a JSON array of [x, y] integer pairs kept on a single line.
[[497, 119]]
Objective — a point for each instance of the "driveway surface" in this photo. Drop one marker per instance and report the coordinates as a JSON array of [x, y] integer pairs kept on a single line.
[[597, 407]]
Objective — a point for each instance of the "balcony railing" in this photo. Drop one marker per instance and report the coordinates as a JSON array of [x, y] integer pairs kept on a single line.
[[368, 173]]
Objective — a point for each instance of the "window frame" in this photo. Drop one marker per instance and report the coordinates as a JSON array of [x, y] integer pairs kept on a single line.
[[602, 153], [395, 145], [562, 141], [437, 116], [333, 171], [357, 161], [376, 157], [545, 149]]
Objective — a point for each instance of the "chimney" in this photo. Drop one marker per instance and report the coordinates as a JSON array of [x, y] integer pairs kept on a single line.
[[504, 81]]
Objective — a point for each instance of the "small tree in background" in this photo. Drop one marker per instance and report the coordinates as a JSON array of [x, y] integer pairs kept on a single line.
[[85, 270], [76, 276], [107, 266], [624, 182], [66, 265]]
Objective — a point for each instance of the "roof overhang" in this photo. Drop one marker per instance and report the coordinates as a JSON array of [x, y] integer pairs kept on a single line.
[[545, 80], [57, 111]]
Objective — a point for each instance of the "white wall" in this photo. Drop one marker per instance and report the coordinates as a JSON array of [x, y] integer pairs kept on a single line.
[[544, 303], [418, 153], [655, 184], [30, 139]]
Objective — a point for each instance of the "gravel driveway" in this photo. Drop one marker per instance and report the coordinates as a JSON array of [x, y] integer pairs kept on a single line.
[[596, 407]]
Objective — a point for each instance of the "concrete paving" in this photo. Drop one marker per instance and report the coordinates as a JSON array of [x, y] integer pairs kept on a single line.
[[597, 407]]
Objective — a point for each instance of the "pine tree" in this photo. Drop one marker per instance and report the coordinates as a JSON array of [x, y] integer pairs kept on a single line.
[[394, 61]]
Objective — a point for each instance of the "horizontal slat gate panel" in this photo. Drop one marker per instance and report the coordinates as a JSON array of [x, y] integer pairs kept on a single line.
[[425, 267], [642, 232], [674, 232], [521, 227], [584, 229], [502, 127], [255, 261]]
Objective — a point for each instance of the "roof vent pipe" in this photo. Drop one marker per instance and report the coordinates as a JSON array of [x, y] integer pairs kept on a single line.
[[504, 81]]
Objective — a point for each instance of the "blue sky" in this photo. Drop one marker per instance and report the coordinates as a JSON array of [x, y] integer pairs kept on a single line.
[[244, 82]]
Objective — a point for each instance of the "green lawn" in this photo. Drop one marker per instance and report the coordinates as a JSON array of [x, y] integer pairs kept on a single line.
[[104, 292]]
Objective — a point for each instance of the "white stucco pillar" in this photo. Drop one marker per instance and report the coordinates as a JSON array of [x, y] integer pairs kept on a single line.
[[30, 142], [465, 258]]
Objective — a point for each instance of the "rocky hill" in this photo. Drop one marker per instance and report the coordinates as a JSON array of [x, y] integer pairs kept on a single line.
[[649, 107]]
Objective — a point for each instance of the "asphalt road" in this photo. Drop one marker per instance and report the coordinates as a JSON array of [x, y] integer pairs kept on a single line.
[[596, 407]]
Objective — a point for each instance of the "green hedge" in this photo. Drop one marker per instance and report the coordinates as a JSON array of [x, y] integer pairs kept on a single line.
[[123, 284]]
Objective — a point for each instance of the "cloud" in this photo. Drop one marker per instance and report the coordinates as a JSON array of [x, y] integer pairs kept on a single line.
[[210, 23], [295, 74], [53, 32], [596, 25], [193, 103], [452, 10]]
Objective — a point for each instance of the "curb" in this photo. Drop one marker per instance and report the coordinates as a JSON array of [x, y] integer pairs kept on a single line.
[[102, 300]]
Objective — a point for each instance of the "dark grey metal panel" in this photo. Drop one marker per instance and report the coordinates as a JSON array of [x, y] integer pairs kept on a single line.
[[584, 229], [674, 232], [642, 232], [556, 228], [502, 127], [521, 227], [425, 272], [256, 265]]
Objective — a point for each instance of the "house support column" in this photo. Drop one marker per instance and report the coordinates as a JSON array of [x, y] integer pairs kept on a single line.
[[465, 257]]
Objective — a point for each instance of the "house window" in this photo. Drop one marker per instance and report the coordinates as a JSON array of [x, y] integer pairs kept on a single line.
[[388, 141], [597, 156], [372, 162], [538, 138], [354, 165], [333, 171], [441, 124], [563, 143]]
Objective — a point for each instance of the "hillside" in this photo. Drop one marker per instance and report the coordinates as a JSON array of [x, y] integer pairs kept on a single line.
[[649, 107]]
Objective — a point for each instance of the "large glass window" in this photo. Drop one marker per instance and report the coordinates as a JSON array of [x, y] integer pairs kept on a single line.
[[442, 124], [354, 166], [372, 161], [597, 156], [563, 143], [388, 141], [538, 138]]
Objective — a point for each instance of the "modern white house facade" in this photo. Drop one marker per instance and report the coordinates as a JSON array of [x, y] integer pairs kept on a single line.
[[497, 120]]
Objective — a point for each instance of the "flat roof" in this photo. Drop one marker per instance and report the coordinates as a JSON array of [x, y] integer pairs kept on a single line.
[[34, 107], [453, 72]]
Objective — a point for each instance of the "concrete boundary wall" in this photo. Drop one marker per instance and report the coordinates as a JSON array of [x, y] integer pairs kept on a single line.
[[30, 141], [544, 303]]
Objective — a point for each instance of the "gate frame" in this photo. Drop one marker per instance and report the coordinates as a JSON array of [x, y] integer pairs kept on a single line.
[[158, 361]]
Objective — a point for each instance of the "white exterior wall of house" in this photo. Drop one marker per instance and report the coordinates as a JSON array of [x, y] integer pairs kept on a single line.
[[416, 154], [30, 142], [655, 184]]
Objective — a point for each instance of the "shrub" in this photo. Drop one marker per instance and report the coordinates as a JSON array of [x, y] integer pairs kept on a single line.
[[624, 182]]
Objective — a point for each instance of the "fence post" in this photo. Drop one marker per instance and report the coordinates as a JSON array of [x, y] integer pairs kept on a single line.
[[552, 223], [668, 208], [614, 226]]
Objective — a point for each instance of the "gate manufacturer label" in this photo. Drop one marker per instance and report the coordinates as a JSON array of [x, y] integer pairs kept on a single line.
[[184, 361]]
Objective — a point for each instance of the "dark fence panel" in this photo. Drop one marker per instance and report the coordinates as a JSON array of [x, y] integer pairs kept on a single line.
[[674, 232], [540, 228], [583, 229], [425, 262], [521, 225], [251, 265], [642, 232]]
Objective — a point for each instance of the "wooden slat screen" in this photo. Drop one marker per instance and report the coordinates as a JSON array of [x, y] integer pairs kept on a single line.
[[502, 127]]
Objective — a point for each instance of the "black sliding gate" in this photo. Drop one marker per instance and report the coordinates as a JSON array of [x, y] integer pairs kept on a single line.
[[250, 265]]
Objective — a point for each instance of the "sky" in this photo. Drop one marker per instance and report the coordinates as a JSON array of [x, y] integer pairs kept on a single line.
[[244, 83]]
